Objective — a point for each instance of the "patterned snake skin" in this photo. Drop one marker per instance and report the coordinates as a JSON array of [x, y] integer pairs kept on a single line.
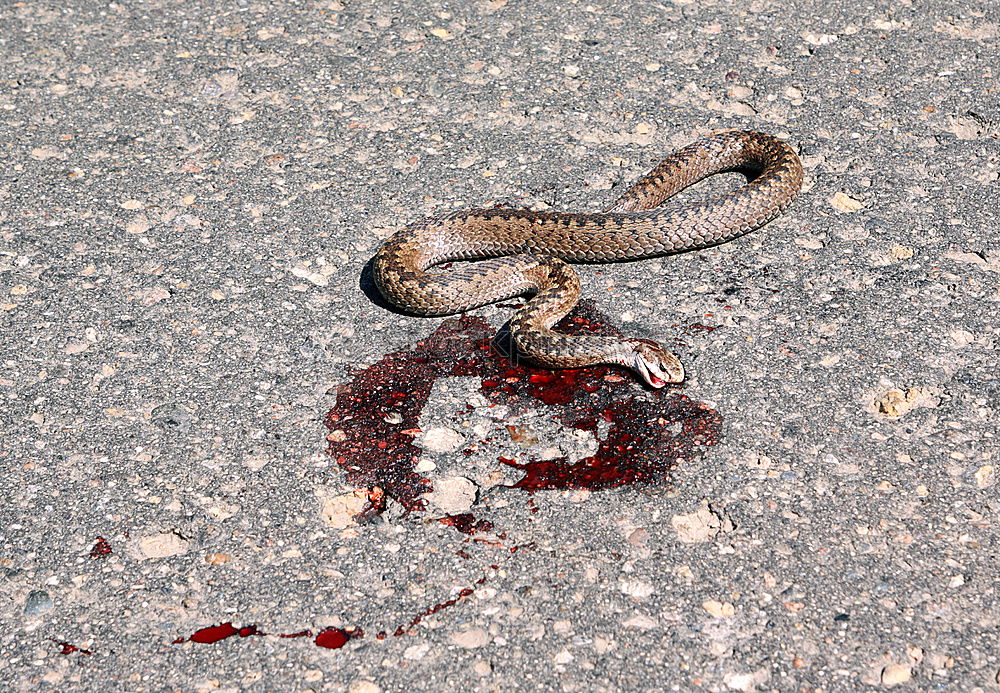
[[525, 252]]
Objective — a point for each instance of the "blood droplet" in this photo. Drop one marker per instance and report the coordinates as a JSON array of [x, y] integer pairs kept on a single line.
[[101, 548], [332, 638]]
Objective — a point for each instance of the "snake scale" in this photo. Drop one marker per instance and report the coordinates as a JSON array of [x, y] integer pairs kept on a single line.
[[525, 252]]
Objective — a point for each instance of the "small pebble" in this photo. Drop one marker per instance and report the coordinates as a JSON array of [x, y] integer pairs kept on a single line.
[[163, 545], [453, 495], [895, 674], [38, 602], [441, 439], [471, 638], [363, 686]]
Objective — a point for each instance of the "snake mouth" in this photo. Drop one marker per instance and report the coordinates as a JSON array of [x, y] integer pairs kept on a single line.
[[652, 375], [649, 372], [656, 366]]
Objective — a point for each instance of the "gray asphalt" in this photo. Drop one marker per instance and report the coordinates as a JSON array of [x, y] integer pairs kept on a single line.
[[189, 193]]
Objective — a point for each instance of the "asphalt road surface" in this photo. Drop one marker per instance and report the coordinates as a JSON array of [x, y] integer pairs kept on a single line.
[[226, 465]]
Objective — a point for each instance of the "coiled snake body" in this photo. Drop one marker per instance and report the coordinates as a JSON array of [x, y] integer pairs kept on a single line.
[[525, 252]]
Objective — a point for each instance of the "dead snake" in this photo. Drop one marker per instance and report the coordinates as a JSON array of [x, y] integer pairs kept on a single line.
[[524, 252]]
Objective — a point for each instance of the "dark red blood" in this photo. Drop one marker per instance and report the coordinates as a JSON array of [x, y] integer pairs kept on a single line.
[[466, 523], [222, 631], [213, 633], [101, 548], [66, 648], [328, 637], [462, 594], [649, 431], [332, 638], [699, 326], [640, 446]]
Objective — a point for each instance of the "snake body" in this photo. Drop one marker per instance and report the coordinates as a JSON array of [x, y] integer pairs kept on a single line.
[[526, 252]]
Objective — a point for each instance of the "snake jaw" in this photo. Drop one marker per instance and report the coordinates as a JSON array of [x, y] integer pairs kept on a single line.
[[656, 365]]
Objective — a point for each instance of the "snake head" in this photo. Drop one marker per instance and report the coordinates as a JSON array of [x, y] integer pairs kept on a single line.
[[656, 365]]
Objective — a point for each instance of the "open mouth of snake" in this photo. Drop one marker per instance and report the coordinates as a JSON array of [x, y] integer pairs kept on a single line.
[[650, 373]]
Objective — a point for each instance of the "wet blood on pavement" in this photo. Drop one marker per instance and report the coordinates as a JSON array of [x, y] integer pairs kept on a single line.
[[376, 415]]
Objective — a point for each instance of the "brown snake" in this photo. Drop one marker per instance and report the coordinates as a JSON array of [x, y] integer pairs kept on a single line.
[[523, 252]]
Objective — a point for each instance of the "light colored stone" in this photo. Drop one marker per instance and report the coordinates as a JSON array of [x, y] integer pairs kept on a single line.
[[339, 511], [895, 674], [316, 278], [564, 656], [362, 686], [453, 495], [471, 638], [964, 127], [43, 153], [985, 476], [425, 465], [900, 252], [894, 403], [962, 337], [255, 462], [163, 545], [845, 203], [222, 511], [139, 224], [699, 526], [441, 439], [739, 682], [603, 645], [814, 39], [637, 589], [641, 621], [719, 609], [416, 652]]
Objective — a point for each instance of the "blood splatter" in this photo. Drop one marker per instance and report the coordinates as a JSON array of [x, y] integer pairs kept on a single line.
[[66, 648], [222, 631], [641, 445], [330, 638], [640, 435], [101, 548], [376, 415], [415, 621], [466, 523]]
